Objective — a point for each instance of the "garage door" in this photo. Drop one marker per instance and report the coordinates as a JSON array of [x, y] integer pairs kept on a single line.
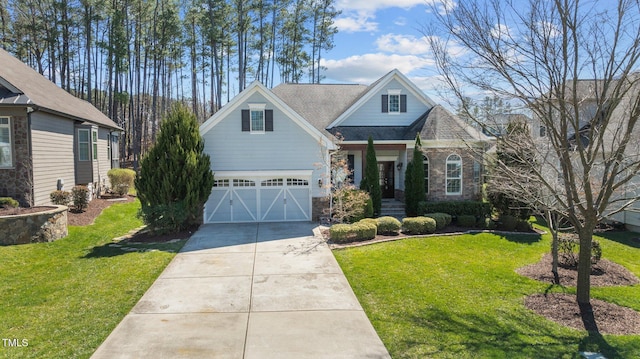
[[267, 197]]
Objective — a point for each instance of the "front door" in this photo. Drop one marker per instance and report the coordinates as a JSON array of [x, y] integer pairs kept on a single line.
[[386, 174]]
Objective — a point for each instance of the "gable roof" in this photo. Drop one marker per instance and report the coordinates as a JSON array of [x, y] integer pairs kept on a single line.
[[371, 91], [20, 85], [257, 87]]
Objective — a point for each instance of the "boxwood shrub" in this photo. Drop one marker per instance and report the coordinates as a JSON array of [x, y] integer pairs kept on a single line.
[[467, 220], [418, 225], [442, 219], [8, 202], [359, 231], [388, 225]]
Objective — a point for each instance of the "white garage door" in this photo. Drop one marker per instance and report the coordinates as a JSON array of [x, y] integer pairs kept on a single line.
[[261, 197]]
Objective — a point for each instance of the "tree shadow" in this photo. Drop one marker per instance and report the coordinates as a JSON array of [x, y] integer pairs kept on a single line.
[[516, 237], [630, 239], [594, 342], [113, 249]]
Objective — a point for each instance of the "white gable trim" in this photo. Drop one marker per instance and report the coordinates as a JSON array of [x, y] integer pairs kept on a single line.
[[382, 83], [257, 87]]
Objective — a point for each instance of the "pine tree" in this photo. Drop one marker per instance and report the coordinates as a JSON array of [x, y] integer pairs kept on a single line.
[[371, 180], [175, 176], [414, 181]]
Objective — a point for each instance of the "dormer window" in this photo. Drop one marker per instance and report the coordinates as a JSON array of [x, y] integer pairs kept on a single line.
[[394, 102]]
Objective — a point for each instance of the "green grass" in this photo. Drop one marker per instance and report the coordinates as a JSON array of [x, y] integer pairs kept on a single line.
[[65, 297], [460, 297]]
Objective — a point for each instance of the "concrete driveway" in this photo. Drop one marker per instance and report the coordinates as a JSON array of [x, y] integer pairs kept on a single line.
[[268, 290]]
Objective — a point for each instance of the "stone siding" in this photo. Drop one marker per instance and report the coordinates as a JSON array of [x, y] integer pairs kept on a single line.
[[45, 226], [319, 208], [17, 182]]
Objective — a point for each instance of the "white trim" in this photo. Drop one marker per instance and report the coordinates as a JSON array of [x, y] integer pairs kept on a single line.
[[446, 175], [11, 145], [257, 87], [262, 174], [382, 83]]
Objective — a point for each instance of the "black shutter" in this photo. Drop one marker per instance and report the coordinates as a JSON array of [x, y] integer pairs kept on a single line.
[[246, 125], [268, 120], [385, 103], [403, 103]]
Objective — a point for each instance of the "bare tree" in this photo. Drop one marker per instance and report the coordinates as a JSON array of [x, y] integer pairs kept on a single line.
[[546, 55]]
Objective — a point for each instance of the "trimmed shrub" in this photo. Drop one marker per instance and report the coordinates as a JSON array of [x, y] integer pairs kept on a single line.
[[341, 233], [80, 197], [368, 208], [467, 220], [60, 198], [365, 230], [442, 219], [418, 225], [477, 209], [369, 220], [508, 222], [359, 231], [8, 202], [388, 225], [371, 180], [121, 180]]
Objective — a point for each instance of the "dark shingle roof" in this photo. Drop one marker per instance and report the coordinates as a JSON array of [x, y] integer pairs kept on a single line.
[[36, 90]]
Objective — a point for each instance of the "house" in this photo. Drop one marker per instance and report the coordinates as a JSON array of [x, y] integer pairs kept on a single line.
[[49, 139], [270, 148]]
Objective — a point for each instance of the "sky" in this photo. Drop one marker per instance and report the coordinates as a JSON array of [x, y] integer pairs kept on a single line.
[[376, 36]]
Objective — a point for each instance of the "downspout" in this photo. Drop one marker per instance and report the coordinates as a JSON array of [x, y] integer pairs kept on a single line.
[[32, 193]]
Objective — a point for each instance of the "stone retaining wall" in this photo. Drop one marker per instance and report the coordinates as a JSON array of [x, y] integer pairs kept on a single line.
[[46, 226]]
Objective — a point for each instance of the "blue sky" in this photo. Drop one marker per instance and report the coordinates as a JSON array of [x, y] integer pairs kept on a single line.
[[376, 36]]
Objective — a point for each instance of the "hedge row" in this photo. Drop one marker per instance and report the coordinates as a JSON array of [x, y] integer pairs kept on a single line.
[[456, 208], [359, 231], [418, 225]]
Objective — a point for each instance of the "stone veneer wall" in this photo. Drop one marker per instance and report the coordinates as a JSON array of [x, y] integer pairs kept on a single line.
[[437, 167], [45, 226], [319, 208], [17, 182]]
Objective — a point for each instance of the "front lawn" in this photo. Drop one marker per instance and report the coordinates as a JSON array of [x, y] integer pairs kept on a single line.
[[62, 299], [460, 297]]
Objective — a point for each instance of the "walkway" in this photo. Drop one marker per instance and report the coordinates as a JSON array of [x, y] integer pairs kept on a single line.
[[248, 291]]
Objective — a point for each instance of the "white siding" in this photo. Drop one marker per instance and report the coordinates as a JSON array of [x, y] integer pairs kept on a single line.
[[370, 113], [53, 158], [288, 147], [103, 165]]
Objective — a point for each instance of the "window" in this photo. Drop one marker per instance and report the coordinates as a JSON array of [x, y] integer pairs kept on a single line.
[[297, 182], [454, 175], [94, 141], [256, 121], [221, 183], [425, 166], [274, 182], [543, 131], [6, 155], [83, 145], [393, 102]]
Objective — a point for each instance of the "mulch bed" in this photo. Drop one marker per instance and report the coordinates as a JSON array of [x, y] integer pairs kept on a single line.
[[563, 308], [96, 205], [604, 273]]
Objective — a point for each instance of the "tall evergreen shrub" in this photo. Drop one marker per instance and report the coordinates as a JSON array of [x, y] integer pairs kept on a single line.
[[414, 181], [175, 177], [371, 180]]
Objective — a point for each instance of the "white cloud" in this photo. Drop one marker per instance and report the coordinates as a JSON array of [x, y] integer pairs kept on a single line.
[[403, 44], [365, 69], [360, 22]]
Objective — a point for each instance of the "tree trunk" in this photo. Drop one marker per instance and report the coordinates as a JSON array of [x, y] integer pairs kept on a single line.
[[584, 265], [553, 228]]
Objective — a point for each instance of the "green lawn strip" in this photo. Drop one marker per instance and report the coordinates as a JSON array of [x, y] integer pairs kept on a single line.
[[460, 297], [66, 297]]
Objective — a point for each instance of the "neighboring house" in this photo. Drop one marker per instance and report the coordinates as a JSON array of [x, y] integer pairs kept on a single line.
[[270, 148], [49, 139]]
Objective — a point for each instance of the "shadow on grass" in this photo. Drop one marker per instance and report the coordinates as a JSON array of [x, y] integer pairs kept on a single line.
[[630, 239], [594, 342], [504, 336], [522, 238], [115, 249]]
